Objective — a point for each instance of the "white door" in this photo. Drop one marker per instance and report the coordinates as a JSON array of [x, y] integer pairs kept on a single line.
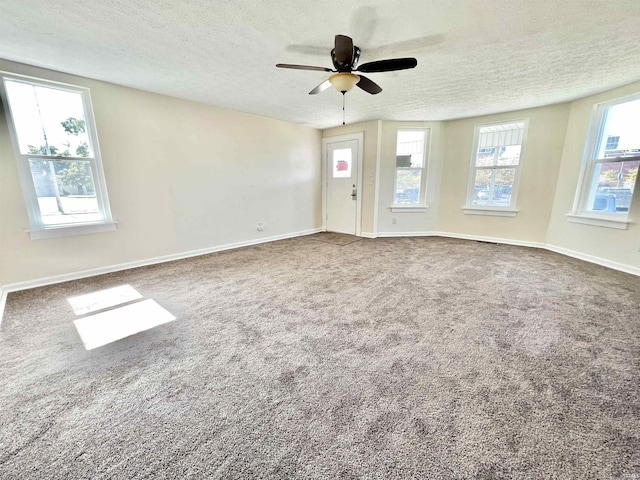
[[342, 186]]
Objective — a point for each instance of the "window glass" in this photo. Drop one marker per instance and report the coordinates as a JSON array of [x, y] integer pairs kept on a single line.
[[408, 182], [509, 155], [621, 135], [486, 157], [616, 181], [48, 121], [494, 187], [65, 191], [410, 164]]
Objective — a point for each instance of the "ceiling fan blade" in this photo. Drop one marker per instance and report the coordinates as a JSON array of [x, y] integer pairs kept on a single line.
[[368, 85], [320, 88], [388, 65], [304, 67], [344, 50]]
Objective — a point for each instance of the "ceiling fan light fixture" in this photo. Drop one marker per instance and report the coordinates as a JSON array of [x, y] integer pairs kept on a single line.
[[343, 81]]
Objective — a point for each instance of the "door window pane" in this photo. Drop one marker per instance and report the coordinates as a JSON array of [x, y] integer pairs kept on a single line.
[[342, 163]]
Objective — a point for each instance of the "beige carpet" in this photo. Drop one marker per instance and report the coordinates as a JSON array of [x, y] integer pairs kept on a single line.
[[386, 358]]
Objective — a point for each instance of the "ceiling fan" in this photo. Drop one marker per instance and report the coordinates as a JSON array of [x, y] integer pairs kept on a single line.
[[345, 56]]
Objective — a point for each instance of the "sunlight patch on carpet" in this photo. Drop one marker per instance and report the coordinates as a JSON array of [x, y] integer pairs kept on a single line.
[[91, 302], [106, 327]]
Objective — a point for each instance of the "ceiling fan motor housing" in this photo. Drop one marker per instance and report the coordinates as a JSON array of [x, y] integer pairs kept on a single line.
[[346, 66]]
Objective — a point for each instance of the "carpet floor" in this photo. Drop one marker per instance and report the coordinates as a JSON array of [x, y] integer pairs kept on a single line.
[[378, 359]]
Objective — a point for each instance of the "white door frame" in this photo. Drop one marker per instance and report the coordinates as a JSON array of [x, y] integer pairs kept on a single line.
[[359, 137]]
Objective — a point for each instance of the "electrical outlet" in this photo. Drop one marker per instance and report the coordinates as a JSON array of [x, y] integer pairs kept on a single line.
[[260, 227]]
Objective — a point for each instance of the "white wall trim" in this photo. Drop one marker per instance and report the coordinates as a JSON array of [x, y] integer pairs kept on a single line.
[[598, 221], [41, 282], [593, 259], [463, 236], [377, 186], [409, 209], [58, 231], [406, 234], [3, 301], [480, 238], [521, 243], [496, 212]]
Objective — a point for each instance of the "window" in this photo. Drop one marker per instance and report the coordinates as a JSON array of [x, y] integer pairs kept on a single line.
[[342, 163], [610, 167], [55, 144], [411, 157], [495, 168]]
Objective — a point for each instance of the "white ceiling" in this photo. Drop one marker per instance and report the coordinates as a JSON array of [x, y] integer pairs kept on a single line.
[[474, 56]]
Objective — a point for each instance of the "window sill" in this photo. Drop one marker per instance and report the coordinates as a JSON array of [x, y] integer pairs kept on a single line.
[[70, 230], [490, 211], [409, 208], [599, 221]]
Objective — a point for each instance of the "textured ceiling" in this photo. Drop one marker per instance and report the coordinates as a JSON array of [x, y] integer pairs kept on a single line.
[[474, 56]]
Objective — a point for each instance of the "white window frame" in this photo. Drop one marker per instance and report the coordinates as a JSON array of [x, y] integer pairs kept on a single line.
[[585, 192], [495, 210], [421, 206], [39, 229]]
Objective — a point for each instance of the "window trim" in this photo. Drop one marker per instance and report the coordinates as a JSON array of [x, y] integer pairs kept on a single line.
[[496, 210], [421, 206], [579, 212], [38, 229]]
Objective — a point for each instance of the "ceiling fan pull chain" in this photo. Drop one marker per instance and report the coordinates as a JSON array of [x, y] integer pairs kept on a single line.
[[343, 95]]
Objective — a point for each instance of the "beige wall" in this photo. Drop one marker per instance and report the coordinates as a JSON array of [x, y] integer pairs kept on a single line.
[[538, 178], [369, 160], [619, 246], [181, 176]]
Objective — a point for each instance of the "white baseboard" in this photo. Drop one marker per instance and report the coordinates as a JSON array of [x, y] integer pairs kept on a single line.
[[41, 282], [405, 234], [593, 259], [367, 235], [478, 238], [521, 243], [3, 301]]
